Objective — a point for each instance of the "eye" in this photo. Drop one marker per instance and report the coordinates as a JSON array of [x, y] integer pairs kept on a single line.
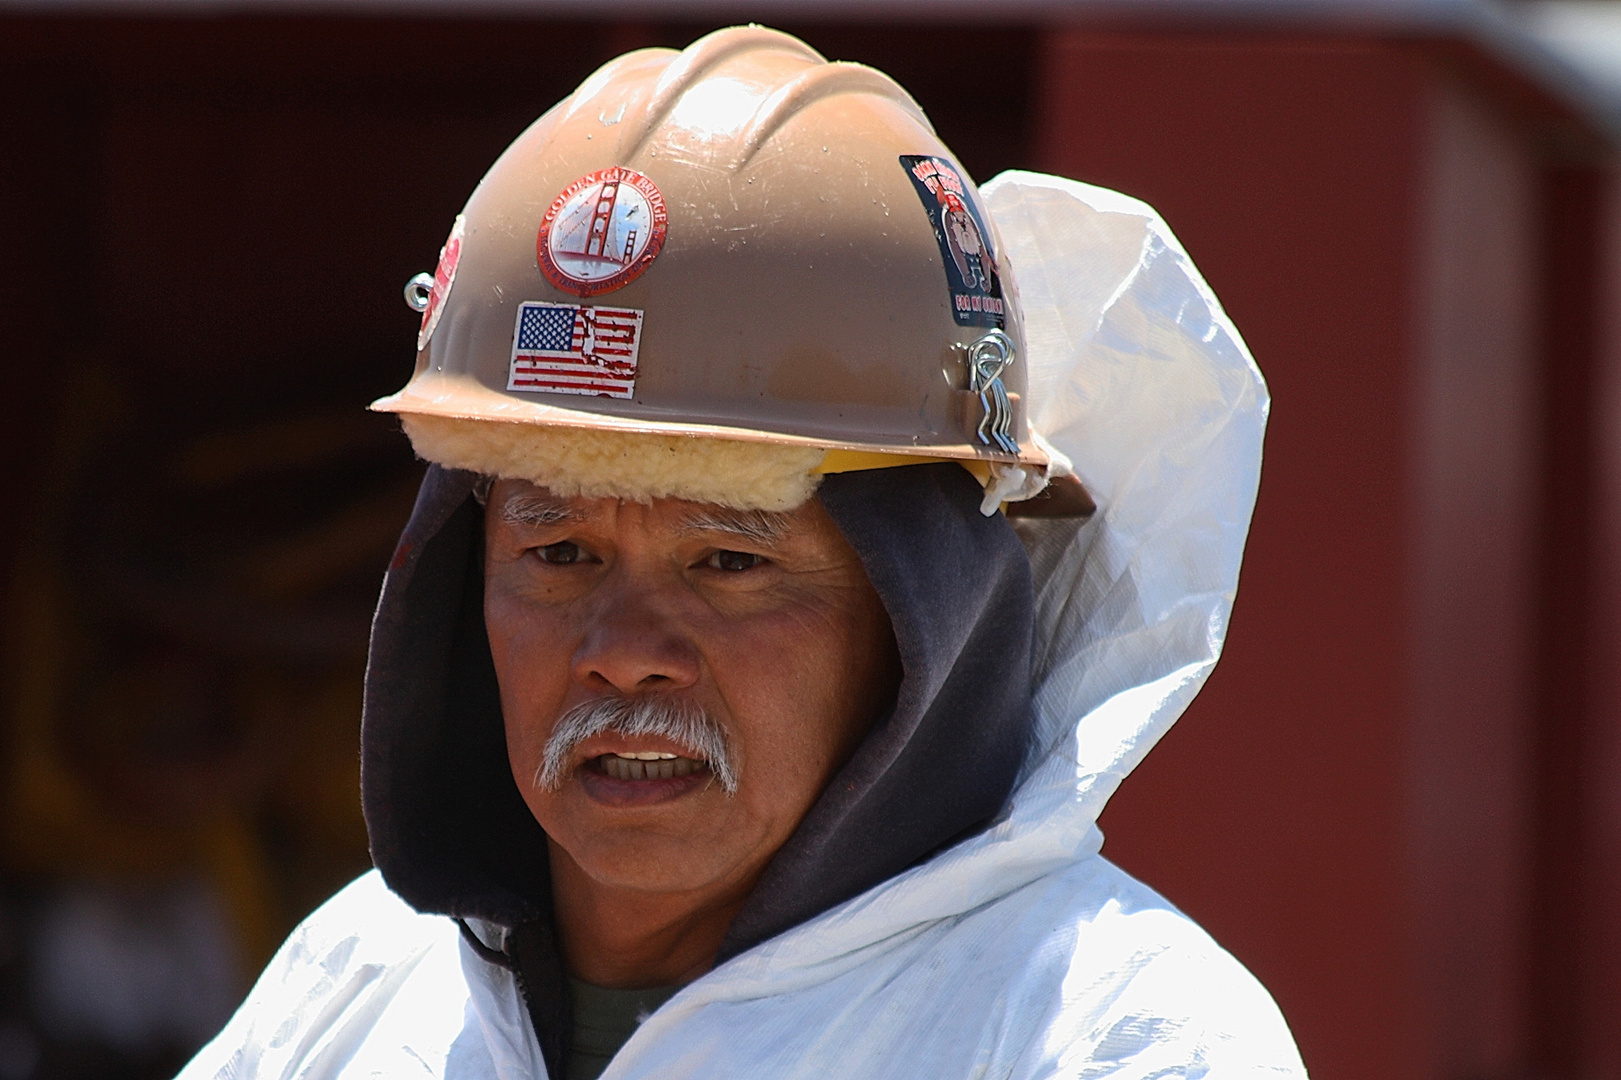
[[735, 561], [564, 553]]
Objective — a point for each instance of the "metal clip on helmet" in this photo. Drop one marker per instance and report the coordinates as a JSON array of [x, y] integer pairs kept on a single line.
[[715, 275]]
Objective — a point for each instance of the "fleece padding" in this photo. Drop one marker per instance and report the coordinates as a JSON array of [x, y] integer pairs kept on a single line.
[[622, 464]]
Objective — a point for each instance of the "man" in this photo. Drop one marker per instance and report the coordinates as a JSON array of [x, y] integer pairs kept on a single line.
[[718, 721]]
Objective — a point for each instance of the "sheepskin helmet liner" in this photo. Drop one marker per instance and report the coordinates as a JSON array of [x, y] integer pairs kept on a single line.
[[636, 466]]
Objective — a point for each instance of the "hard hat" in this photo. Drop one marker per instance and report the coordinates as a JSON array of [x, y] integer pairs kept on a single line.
[[716, 274]]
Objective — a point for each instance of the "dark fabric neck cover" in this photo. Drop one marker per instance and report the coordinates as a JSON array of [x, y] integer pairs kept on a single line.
[[957, 588], [451, 834]]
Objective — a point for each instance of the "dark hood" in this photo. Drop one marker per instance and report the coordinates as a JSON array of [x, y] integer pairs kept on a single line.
[[451, 834]]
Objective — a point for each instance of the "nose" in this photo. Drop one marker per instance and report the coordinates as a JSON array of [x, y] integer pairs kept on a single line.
[[634, 643]]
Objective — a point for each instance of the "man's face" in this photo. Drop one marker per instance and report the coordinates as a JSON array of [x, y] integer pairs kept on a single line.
[[765, 622]]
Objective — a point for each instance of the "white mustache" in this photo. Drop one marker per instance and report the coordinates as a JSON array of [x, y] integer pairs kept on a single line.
[[687, 724]]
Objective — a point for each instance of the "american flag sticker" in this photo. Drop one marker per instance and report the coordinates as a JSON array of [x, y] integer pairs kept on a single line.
[[568, 349]]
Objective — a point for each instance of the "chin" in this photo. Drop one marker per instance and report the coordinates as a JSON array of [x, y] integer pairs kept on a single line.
[[649, 862], [649, 845]]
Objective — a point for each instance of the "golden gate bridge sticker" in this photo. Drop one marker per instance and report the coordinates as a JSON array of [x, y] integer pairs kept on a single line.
[[602, 232]]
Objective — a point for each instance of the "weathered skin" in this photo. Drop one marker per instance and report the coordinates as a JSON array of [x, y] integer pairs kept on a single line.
[[778, 635]]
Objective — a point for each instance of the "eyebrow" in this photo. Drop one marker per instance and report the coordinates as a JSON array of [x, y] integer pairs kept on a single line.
[[525, 508], [760, 526]]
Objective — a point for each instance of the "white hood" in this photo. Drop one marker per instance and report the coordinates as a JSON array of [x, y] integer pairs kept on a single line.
[[1020, 952]]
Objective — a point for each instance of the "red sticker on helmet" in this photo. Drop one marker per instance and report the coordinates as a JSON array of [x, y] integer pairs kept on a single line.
[[602, 232], [444, 276]]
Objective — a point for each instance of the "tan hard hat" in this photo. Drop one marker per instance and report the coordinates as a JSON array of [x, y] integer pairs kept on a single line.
[[730, 269]]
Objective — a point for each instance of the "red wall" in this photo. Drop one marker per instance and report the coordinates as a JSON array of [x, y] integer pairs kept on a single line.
[[1350, 805]]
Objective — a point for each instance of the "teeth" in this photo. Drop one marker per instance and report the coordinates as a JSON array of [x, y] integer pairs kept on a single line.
[[647, 755], [653, 767]]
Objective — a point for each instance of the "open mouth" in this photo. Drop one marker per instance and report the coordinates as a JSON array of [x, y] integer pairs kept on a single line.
[[647, 765], [642, 749]]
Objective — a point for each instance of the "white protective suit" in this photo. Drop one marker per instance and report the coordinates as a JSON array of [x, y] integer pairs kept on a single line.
[[1021, 952]]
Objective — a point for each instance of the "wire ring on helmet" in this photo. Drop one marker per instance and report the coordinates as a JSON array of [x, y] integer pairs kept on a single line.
[[418, 291], [989, 357]]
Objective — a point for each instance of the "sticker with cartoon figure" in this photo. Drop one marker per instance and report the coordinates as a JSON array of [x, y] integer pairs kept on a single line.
[[965, 241]]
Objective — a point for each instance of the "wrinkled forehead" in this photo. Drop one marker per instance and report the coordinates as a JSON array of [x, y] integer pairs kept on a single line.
[[519, 504]]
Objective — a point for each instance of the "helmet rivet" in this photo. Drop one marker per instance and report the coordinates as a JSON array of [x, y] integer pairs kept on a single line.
[[417, 292]]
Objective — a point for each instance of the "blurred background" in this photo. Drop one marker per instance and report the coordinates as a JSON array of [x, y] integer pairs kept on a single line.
[[1399, 799]]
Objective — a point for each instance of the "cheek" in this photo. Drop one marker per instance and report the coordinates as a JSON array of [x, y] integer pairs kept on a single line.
[[799, 684], [530, 668]]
